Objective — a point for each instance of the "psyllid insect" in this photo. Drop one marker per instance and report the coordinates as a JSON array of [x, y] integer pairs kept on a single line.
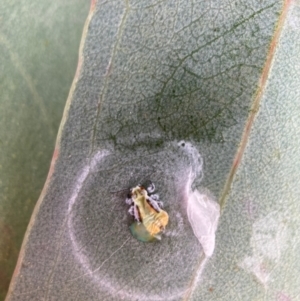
[[150, 219]]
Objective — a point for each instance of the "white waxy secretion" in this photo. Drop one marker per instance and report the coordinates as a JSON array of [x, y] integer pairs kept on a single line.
[[203, 214]]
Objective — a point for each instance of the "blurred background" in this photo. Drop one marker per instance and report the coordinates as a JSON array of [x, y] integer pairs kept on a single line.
[[39, 43]]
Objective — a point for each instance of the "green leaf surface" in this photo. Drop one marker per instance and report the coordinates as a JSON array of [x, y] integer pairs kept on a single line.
[[39, 43], [202, 99]]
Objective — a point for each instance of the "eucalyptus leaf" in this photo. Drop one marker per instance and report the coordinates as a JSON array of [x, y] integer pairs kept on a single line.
[[38, 53], [201, 99]]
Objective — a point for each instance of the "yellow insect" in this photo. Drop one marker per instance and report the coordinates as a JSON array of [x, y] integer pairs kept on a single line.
[[147, 210]]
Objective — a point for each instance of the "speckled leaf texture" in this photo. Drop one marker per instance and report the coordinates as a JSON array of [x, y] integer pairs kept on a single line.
[[39, 43], [193, 96]]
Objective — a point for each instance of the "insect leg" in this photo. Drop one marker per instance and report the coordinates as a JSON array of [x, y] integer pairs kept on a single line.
[[129, 201], [151, 188], [131, 210], [154, 203], [154, 197]]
